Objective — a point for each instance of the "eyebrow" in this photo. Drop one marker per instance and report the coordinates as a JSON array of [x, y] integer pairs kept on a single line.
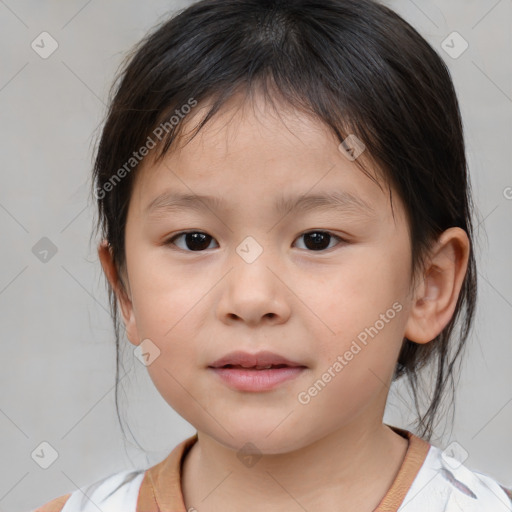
[[338, 201]]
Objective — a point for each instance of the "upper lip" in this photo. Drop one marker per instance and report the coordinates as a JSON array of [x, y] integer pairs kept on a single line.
[[248, 360]]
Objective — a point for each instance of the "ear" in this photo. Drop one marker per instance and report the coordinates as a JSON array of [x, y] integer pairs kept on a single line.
[[436, 295], [123, 299]]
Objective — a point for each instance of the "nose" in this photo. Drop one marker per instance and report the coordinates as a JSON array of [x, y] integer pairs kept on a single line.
[[254, 293]]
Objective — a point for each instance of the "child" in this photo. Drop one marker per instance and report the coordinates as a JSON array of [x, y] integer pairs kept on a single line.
[[268, 128]]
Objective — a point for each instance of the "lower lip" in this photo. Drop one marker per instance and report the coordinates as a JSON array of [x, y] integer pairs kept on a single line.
[[257, 380]]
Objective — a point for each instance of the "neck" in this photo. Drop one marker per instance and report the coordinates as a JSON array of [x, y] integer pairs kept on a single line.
[[354, 465]]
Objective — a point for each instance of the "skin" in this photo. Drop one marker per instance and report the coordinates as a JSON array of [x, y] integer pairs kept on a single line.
[[308, 305]]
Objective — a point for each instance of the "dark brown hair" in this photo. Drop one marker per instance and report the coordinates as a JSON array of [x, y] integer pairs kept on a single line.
[[356, 66]]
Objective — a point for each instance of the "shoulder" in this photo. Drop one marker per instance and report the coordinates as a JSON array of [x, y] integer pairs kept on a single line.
[[445, 484], [113, 493]]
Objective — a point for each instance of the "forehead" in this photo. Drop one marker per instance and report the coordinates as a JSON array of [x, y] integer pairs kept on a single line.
[[248, 148]]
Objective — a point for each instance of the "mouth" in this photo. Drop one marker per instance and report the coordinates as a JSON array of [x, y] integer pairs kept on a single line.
[[266, 367], [263, 371], [259, 361]]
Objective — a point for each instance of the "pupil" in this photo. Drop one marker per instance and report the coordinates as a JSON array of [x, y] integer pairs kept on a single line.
[[197, 241], [320, 240]]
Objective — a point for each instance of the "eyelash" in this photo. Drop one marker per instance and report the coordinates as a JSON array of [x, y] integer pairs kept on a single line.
[[171, 240]]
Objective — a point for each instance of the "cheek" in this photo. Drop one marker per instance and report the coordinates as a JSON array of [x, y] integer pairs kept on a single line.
[[360, 315], [354, 366], [175, 371], [170, 310], [354, 295], [165, 298]]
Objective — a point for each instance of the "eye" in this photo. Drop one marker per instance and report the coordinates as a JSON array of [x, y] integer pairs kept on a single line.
[[197, 241], [319, 240], [194, 240]]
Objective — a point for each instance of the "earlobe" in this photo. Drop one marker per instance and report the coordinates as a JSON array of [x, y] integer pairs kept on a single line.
[[437, 294], [123, 300]]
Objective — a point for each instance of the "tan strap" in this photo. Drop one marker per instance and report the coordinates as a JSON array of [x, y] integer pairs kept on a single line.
[[160, 490], [413, 460], [56, 505]]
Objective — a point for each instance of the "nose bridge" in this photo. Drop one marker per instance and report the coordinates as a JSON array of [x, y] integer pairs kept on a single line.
[[250, 250], [253, 291], [251, 261]]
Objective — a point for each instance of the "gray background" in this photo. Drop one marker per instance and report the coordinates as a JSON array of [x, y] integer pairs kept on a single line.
[[58, 357]]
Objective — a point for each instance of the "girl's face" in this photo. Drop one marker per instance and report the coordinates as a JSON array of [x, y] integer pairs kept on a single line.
[[262, 276]]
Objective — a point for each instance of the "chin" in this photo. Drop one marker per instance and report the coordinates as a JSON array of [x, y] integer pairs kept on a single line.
[[260, 438]]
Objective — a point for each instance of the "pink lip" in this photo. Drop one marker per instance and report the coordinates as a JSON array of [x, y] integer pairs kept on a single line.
[[257, 380], [243, 375], [247, 360]]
